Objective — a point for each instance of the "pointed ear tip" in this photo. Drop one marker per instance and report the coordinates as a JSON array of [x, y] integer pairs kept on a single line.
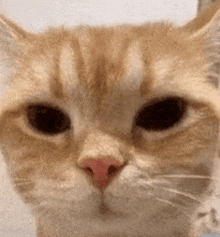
[[204, 18], [11, 27]]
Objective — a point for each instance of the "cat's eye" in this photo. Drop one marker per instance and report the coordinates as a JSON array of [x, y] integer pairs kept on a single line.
[[47, 119], [161, 115]]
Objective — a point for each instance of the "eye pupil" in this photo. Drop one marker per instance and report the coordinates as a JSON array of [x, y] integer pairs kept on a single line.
[[161, 115], [47, 119]]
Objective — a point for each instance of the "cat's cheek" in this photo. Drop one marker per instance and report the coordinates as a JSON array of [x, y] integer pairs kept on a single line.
[[76, 194]]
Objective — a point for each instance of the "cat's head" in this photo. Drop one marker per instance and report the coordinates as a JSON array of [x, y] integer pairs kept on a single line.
[[112, 131]]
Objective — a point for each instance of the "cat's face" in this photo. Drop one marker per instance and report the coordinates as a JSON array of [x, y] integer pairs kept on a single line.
[[111, 131]]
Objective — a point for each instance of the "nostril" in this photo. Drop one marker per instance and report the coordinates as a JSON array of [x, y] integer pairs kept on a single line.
[[101, 170], [112, 170], [89, 171]]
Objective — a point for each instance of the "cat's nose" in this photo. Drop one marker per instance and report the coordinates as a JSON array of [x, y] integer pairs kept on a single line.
[[101, 170]]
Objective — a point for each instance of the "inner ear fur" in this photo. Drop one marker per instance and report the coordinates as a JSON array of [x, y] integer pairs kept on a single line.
[[205, 21], [11, 35], [11, 29], [13, 39], [203, 5], [205, 29]]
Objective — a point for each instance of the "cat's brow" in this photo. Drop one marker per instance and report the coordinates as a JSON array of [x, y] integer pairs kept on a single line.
[[134, 67], [122, 67], [68, 71]]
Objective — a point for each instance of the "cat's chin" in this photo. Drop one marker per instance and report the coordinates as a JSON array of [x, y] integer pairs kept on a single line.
[[125, 208], [109, 222]]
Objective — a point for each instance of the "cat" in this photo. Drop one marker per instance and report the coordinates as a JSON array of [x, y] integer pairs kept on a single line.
[[113, 131], [204, 4]]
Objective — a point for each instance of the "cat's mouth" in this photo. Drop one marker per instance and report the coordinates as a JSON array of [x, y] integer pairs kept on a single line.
[[106, 213], [104, 210]]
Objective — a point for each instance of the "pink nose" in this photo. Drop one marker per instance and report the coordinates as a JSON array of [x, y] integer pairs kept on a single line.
[[102, 171]]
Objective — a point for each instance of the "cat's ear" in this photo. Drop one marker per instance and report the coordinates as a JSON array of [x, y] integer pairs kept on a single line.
[[203, 5], [205, 22], [205, 28], [10, 29], [11, 38]]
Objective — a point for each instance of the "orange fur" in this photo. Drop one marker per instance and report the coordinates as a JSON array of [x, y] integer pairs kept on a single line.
[[101, 77]]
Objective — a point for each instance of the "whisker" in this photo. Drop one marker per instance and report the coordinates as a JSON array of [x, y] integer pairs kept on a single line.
[[192, 197], [182, 194], [189, 176], [178, 207]]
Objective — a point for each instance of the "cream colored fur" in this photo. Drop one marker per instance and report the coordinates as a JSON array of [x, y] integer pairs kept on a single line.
[[101, 77]]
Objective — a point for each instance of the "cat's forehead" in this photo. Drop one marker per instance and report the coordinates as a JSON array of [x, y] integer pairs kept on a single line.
[[129, 59]]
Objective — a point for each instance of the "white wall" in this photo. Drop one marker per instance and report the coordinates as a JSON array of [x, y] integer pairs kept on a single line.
[[15, 220], [35, 14]]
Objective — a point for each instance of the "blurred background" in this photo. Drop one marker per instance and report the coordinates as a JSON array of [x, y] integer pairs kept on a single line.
[[36, 15]]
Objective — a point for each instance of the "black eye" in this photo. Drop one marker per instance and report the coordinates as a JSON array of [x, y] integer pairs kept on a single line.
[[161, 115], [47, 119]]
